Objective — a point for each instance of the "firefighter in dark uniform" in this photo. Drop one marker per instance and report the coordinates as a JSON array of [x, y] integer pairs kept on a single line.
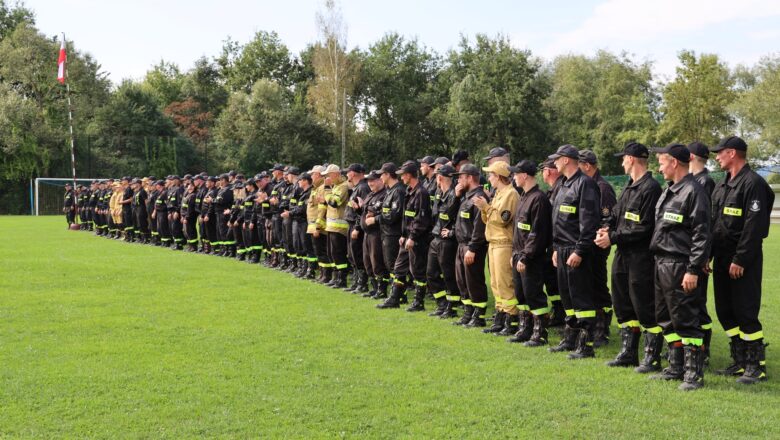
[[390, 223], [69, 204], [359, 191], [189, 218], [221, 206], [588, 163], [151, 192], [248, 229], [304, 247], [140, 214], [287, 195], [576, 217], [553, 179], [443, 249], [700, 154], [680, 244], [207, 219], [373, 259], [428, 177], [160, 214], [81, 206], [236, 220], [630, 229], [92, 205], [258, 219], [741, 211], [276, 237], [127, 208], [532, 238], [472, 248]]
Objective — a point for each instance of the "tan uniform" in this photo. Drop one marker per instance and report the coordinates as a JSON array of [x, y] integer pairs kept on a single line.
[[116, 208], [498, 218], [313, 210], [335, 222]]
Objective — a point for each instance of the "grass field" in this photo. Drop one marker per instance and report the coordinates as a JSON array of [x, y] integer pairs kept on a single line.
[[104, 339]]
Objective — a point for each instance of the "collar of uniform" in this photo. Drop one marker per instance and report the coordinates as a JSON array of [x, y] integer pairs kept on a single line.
[[575, 176], [647, 175], [676, 187], [732, 182], [472, 191]]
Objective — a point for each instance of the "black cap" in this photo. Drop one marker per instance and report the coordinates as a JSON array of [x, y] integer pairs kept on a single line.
[[295, 171], [459, 156], [588, 156], [634, 149], [135, 180], [357, 168], [677, 151], [174, 177], [160, 182], [187, 177], [373, 175], [199, 177], [251, 181], [567, 150], [388, 167], [547, 164], [232, 173], [238, 185], [699, 149], [212, 179], [261, 175], [428, 160], [524, 166], [446, 170], [496, 152], [306, 176], [240, 177], [126, 178], [734, 142], [469, 169], [278, 167], [410, 166], [224, 176], [69, 184], [441, 160]]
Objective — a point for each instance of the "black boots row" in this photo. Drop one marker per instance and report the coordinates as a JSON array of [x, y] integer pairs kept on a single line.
[[748, 361], [577, 341]]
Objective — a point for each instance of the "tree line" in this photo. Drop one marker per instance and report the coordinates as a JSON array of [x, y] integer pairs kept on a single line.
[[256, 103]]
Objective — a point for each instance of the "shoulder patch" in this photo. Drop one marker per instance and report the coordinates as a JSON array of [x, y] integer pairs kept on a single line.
[[755, 206], [506, 215]]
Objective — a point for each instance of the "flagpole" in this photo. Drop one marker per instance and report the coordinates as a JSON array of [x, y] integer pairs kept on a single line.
[[70, 119]]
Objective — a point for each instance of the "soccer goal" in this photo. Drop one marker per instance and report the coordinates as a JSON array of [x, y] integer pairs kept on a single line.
[[49, 194]]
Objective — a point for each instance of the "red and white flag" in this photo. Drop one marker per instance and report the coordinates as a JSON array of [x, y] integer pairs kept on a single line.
[[61, 63]]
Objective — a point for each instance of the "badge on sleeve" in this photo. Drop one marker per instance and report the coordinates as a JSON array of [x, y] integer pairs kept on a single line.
[[755, 206], [506, 215]]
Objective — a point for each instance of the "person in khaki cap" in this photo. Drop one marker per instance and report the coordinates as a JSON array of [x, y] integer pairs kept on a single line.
[[336, 226], [316, 223], [498, 216]]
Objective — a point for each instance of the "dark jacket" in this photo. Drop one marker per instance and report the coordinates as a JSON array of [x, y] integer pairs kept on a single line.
[[576, 215], [392, 210], [361, 190], [417, 214], [533, 233], [633, 217], [445, 212], [372, 205], [469, 227], [607, 200]]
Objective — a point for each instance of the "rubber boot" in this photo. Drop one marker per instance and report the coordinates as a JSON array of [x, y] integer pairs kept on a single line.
[[311, 271], [498, 323], [654, 343], [478, 318], [354, 285], [558, 315], [449, 310], [568, 340], [539, 333], [441, 303], [381, 289], [601, 330], [706, 346], [584, 345], [693, 379], [362, 283], [418, 305], [327, 275], [468, 311], [394, 301], [737, 368], [374, 284], [525, 327], [628, 355], [675, 370], [755, 363]]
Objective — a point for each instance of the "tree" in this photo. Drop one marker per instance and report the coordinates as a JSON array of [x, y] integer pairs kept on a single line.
[[13, 16], [263, 57], [695, 105], [165, 82], [756, 107], [600, 103]]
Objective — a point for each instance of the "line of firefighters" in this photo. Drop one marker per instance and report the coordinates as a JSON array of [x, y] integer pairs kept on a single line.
[[431, 225]]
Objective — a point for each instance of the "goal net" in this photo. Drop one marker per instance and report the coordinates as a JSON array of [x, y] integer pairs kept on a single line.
[[50, 194]]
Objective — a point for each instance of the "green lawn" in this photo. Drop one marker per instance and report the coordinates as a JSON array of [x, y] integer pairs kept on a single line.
[[104, 339]]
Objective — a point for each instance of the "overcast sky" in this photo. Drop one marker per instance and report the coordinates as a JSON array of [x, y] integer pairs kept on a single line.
[[128, 37]]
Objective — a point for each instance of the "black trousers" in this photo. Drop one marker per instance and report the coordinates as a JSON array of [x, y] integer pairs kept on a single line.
[[355, 249], [191, 230], [321, 249], [738, 302], [471, 278], [223, 231], [412, 262], [210, 230], [633, 294], [390, 250], [152, 224], [532, 294], [373, 259], [237, 235], [140, 221], [287, 230], [601, 296], [163, 227], [302, 241], [440, 271], [277, 233], [575, 285], [177, 232], [70, 216], [337, 250], [551, 278], [676, 311], [127, 218]]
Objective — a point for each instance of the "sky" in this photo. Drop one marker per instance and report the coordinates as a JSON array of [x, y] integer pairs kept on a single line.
[[128, 37]]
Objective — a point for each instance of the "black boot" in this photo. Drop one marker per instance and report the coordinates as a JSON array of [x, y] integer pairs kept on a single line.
[[362, 282], [525, 327], [311, 271], [327, 275], [568, 340], [477, 318], [418, 305], [374, 285], [394, 301], [706, 346], [449, 310], [601, 330], [441, 303], [498, 323], [675, 369], [341, 279], [737, 368], [584, 345], [354, 285], [654, 343], [468, 311], [539, 334], [558, 315], [510, 325], [693, 378], [755, 363], [629, 348], [381, 289]]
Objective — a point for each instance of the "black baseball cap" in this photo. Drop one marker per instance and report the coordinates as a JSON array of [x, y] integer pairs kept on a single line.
[[469, 169], [446, 170], [459, 156], [567, 150], [388, 167], [548, 163], [588, 156], [238, 185], [373, 175], [199, 177], [496, 152], [212, 179], [357, 168], [677, 151], [187, 177], [734, 142], [278, 167], [410, 166], [251, 181], [231, 173], [524, 166], [699, 149], [634, 149], [224, 177], [428, 160], [441, 160], [295, 171]]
